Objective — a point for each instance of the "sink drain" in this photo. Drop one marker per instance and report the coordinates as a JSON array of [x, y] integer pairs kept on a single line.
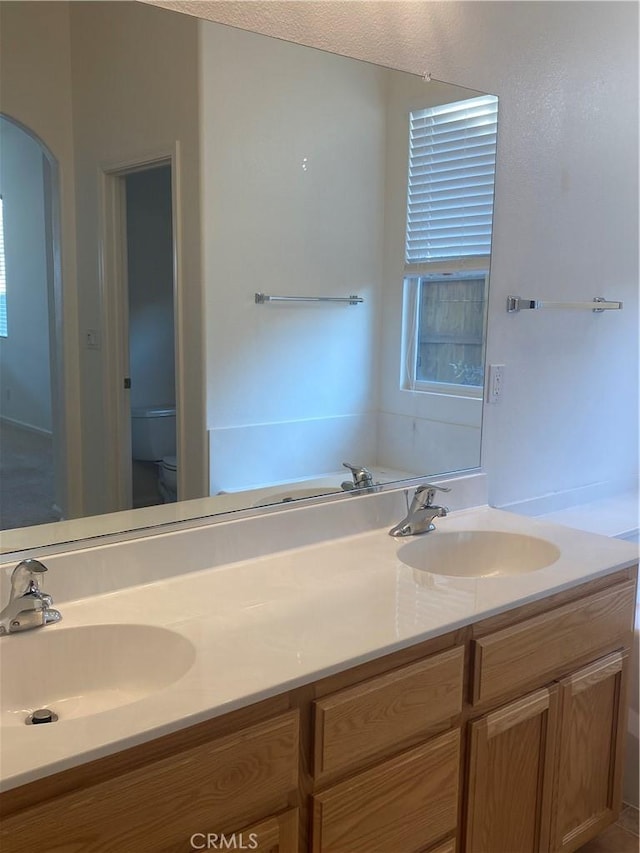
[[42, 715]]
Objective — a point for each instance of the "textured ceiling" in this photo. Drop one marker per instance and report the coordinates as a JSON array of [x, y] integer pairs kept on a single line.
[[388, 32]]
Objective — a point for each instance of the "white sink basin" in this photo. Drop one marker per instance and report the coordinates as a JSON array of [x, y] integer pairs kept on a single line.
[[477, 553], [76, 672], [295, 494]]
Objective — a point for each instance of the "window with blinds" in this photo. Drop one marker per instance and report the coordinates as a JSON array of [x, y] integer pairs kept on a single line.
[[451, 176], [3, 278], [452, 154]]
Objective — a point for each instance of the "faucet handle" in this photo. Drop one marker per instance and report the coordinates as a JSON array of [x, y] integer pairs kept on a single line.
[[24, 578], [433, 487], [362, 477], [355, 469], [431, 490]]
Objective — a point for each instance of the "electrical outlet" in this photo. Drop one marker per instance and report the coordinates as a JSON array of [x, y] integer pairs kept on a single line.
[[495, 383]]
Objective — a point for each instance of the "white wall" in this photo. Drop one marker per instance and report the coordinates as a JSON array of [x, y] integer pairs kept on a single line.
[[319, 150], [566, 219], [25, 387], [35, 36], [293, 204]]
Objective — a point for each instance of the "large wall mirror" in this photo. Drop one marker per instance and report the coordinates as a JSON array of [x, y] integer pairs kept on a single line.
[[162, 178]]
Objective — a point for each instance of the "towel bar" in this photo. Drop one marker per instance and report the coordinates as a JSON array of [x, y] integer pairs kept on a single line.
[[517, 303], [261, 298]]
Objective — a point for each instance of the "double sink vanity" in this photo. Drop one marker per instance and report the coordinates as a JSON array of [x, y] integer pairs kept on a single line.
[[461, 690]]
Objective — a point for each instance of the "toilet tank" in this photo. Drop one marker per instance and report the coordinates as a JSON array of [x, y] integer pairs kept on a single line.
[[153, 433]]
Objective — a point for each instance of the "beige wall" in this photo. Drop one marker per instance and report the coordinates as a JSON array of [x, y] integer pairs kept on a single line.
[[68, 73], [135, 92]]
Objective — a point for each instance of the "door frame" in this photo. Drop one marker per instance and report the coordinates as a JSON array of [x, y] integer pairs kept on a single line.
[[115, 323]]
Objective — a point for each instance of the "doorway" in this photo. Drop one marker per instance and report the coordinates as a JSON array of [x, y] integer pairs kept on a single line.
[[141, 328], [150, 265]]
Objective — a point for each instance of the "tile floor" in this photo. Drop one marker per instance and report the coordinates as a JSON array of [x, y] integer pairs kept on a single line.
[[622, 837]]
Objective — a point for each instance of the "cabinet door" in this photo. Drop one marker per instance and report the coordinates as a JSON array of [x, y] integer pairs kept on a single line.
[[511, 776], [588, 772]]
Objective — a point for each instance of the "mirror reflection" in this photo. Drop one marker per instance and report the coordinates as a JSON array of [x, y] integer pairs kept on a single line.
[[162, 177]]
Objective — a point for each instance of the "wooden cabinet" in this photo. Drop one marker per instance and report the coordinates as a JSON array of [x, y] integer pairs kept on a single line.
[[208, 789], [552, 643], [545, 771], [407, 799], [404, 804], [383, 714], [511, 775], [588, 781], [446, 847], [276, 834], [505, 736]]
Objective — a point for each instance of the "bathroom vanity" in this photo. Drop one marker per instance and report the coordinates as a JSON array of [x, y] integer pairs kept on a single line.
[[345, 700]]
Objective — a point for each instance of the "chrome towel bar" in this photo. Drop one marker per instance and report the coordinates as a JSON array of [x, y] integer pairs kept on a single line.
[[261, 298], [597, 305]]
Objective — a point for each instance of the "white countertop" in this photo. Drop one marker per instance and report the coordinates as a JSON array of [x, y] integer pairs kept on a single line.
[[613, 515], [266, 625]]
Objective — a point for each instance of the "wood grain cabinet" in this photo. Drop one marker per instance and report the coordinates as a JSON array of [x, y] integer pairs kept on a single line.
[[545, 770], [505, 736], [511, 766], [404, 804], [381, 715], [210, 789], [587, 794], [276, 834]]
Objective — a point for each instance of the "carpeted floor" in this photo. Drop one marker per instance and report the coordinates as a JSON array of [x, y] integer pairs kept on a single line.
[[26, 478]]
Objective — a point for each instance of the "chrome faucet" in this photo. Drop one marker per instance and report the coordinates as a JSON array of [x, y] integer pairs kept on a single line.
[[28, 606], [421, 513], [362, 478]]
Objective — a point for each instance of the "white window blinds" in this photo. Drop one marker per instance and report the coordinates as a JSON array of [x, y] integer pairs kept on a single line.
[[452, 153]]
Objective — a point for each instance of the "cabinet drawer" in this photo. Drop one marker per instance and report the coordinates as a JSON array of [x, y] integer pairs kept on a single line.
[[406, 803], [387, 712], [276, 834], [211, 788], [546, 646]]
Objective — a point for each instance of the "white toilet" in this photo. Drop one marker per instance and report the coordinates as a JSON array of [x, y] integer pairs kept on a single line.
[[168, 482], [153, 439]]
